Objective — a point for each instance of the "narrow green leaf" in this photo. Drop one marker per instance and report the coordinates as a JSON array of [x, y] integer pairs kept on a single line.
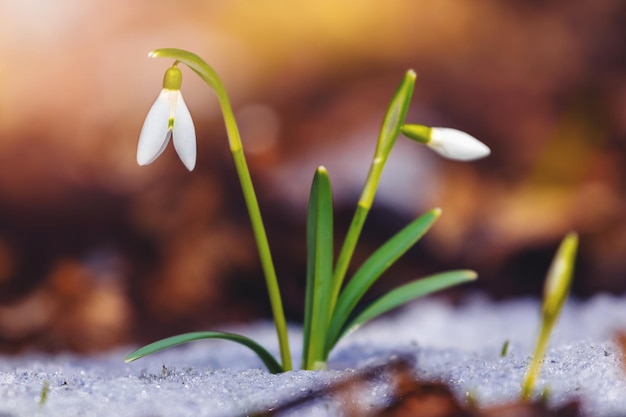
[[374, 267], [406, 293], [270, 362], [319, 269]]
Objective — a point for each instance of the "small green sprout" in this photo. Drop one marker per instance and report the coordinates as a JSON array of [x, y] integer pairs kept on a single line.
[[555, 292], [505, 349], [43, 396], [329, 305]]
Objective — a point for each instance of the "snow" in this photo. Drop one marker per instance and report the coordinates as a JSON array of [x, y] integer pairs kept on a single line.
[[459, 345]]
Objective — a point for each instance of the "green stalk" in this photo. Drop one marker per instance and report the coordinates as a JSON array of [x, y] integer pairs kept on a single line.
[[537, 361], [209, 76], [555, 292], [394, 118]]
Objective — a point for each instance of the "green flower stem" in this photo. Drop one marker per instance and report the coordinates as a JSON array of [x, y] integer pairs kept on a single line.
[[555, 292], [209, 75], [349, 244], [394, 118], [537, 361], [356, 226]]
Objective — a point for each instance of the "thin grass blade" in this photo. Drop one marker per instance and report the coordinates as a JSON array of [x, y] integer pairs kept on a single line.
[[270, 362], [374, 267], [406, 293]]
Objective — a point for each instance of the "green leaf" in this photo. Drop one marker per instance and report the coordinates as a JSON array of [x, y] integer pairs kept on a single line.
[[373, 268], [272, 365], [319, 269], [406, 293]]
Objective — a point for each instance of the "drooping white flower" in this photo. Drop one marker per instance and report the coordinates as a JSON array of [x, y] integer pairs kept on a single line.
[[168, 118], [447, 142]]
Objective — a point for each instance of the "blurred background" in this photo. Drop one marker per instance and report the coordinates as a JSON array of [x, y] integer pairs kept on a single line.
[[96, 251]]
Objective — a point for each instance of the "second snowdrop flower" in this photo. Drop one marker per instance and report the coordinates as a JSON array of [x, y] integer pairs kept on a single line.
[[449, 143], [168, 118]]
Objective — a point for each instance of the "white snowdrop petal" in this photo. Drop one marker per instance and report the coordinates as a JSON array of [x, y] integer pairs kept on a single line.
[[154, 134], [458, 145], [184, 134]]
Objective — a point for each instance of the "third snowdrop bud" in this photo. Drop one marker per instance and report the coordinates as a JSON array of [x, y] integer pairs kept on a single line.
[[559, 279], [449, 143]]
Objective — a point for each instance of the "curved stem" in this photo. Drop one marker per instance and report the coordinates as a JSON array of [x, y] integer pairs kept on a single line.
[[209, 75]]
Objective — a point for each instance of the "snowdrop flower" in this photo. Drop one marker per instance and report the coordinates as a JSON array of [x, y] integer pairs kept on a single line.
[[449, 143], [168, 117]]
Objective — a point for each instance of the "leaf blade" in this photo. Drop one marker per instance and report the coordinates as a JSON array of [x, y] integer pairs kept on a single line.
[[406, 293], [374, 267], [319, 268], [270, 362]]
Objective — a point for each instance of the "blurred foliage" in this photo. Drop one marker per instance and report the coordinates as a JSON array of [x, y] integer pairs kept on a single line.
[[95, 251]]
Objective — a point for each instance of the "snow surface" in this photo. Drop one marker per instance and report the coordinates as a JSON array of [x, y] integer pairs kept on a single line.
[[458, 345]]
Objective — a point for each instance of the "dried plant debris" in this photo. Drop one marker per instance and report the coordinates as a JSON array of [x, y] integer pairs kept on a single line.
[[411, 397], [620, 339]]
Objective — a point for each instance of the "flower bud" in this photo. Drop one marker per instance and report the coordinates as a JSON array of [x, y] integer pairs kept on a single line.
[[449, 143]]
